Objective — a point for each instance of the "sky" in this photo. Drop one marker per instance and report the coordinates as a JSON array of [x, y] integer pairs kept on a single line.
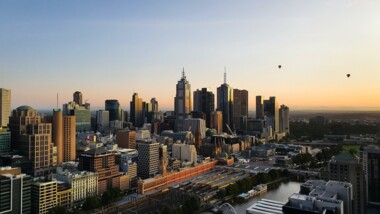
[[112, 49]]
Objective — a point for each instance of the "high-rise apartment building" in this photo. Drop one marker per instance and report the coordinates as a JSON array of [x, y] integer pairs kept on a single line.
[[225, 98], [259, 107], [204, 101], [240, 107], [371, 164], [182, 101], [184, 152], [148, 159], [103, 164], [346, 167], [284, 119], [137, 117], [5, 106], [271, 111], [15, 191], [78, 98], [114, 109]]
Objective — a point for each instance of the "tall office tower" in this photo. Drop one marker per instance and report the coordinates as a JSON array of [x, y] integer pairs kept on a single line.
[[271, 112], [217, 121], [259, 107], [32, 138], [36, 144], [148, 159], [225, 100], [44, 194], [81, 113], [77, 98], [5, 141], [102, 120], [57, 134], [371, 163], [204, 101], [348, 168], [64, 136], [137, 111], [69, 138], [240, 107], [103, 164], [154, 104], [15, 193], [114, 109], [126, 139], [5, 106], [182, 101], [19, 120], [284, 119]]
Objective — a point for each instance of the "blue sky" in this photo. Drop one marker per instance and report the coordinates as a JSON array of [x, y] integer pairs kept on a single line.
[[110, 49]]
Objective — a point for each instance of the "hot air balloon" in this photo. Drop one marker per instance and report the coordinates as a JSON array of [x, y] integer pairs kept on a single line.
[[279, 66], [348, 75]]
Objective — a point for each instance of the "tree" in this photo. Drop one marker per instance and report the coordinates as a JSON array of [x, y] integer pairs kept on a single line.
[[58, 210], [91, 203]]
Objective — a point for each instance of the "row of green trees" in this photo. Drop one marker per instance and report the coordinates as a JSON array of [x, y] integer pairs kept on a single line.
[[247, 183]]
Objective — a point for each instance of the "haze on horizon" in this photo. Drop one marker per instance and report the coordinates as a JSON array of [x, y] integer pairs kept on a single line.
[[111, 49]]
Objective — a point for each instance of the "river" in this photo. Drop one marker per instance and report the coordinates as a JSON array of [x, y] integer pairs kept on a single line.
[[281, 193]]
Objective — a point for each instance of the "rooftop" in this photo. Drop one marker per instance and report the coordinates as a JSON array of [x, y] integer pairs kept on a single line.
[[25, 108]]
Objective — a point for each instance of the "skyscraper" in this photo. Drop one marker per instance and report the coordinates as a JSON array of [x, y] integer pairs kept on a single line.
[[217, 121], [271, 111], [82, 115], [114, 109], [77, 98], [154, 104], [18, 122], [240, 106], [284, 119], [69, 138], [102, 120], [137, 111], [348, 168], [182, 101], [259, 107], [204, 101], [5, 106], [371, 163], [57, 133], [225, 100]]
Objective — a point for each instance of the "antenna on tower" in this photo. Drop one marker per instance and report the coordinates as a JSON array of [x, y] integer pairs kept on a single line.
[[225, 75], [183, 73]]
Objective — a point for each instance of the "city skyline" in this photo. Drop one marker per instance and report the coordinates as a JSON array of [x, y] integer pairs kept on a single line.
[[112, 50]]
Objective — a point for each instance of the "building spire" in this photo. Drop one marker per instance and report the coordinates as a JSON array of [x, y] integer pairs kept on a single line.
[[183, 73], [225, 75]]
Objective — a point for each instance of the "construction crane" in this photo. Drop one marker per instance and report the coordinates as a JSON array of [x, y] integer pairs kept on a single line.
[[229, 129]]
